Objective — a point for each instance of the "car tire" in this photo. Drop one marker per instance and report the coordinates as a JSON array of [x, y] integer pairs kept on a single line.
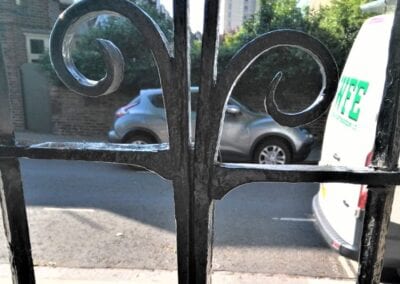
[[390, 275], [273, 151], [140, 139]]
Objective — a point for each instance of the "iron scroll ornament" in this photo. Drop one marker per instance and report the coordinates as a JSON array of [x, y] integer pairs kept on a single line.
[[62, 36], [287, 38], [66, 70]]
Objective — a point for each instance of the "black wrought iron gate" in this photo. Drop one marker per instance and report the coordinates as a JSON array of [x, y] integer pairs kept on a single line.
[[198, 178]]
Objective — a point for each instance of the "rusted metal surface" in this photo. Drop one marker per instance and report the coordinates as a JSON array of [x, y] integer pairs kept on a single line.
[[197, 177]]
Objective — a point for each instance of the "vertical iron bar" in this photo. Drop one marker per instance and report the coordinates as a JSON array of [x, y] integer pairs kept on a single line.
[[202, 225], [183, 180], [12, 197], [15, 222], [376, 222], [386, 154]]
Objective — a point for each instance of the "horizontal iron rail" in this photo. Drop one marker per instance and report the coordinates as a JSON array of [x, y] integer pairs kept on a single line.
[[148, 156], [226, 175], [229, 176]]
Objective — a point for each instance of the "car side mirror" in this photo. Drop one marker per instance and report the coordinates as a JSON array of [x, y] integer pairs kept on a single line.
[[233, 109]]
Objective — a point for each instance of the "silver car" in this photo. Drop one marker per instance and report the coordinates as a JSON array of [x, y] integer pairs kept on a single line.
[[247, 136]]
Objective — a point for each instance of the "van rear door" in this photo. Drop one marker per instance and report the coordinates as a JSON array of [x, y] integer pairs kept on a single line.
[[351, 124]]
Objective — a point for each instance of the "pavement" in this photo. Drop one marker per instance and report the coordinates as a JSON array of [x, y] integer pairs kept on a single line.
[[57, 275], [62, 275]]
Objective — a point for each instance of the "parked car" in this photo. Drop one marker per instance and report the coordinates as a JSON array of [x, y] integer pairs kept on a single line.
[[247, 136], [349, 140]]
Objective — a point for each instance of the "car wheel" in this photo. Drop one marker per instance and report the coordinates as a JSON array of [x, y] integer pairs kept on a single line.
[[140, 139], [273, 151]]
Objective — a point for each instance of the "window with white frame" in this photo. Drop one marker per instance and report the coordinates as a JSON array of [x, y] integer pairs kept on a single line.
[[36, 46]]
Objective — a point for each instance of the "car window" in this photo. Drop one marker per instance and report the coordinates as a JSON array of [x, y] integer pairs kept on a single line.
[[235, 102], [157, 101]]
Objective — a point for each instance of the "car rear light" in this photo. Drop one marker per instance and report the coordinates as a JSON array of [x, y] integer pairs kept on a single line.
[[124, 110], [362, 199]]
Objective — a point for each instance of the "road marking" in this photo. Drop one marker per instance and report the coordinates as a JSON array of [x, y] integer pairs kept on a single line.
[[294, 219], [349, 266], [68, 209]]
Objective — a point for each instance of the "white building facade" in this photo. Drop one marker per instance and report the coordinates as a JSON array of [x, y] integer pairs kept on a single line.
[[237, 12]]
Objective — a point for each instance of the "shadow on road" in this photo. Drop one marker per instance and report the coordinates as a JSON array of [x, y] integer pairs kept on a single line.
[[262, 209]]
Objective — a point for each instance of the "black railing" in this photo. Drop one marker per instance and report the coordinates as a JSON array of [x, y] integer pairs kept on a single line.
[[198, 178]]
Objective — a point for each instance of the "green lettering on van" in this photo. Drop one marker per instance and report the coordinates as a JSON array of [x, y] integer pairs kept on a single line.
[[350, 90], [362, 88], [348, 98], [341, 90]]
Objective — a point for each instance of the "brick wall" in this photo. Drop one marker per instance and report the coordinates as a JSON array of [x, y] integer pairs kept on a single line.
[[13, 57], [83, 116], [31, 16]]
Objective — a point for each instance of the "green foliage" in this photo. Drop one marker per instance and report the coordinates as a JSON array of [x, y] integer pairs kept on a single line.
[[195, 53], [336, 25]]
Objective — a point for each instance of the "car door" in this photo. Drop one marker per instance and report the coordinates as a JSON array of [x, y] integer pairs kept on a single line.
[[235, 132], [156, 119]]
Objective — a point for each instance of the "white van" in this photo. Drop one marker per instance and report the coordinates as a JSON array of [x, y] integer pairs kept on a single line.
[[349, 140]]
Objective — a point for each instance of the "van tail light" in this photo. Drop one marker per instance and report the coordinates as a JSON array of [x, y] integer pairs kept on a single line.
[[368, 160], [124, 110], [362, 199]]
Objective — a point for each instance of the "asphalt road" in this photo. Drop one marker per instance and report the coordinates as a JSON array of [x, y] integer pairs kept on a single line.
[[103, 215]]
